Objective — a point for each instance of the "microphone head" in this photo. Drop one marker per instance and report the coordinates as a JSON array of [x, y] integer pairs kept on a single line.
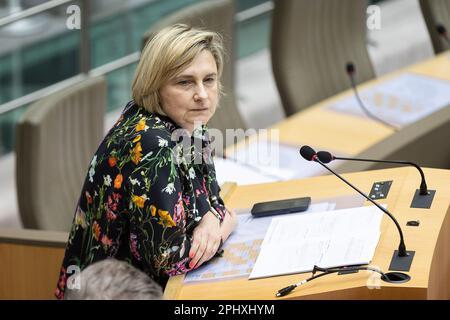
[[307, 153], [325, 156], [350, 68], [441, 29]]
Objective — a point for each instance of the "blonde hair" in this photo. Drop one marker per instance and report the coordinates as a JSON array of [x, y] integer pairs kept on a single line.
[[168, 53]]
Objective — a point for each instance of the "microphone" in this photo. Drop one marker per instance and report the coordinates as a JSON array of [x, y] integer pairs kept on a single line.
[[326, 157], [309, 154], [443, 32], [350, 68]]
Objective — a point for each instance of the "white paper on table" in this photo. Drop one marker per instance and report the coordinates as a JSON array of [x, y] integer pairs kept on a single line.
[[249, 228], [270, 157], [248, 233], [276, 160], [400, 101], [326, 239], [231, 171]]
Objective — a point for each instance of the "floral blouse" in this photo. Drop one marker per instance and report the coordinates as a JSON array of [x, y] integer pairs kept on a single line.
[[142, 198]]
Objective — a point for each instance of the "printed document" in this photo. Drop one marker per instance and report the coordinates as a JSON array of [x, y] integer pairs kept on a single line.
[[294, 244]]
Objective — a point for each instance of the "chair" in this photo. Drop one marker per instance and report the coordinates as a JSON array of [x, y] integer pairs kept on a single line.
[[436, 12], [55, 140], [218, 16], [311, 43], [424, 142]]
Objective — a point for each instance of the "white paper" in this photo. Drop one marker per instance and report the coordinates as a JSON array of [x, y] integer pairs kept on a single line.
[[272, 160], [231, 171], [400, 101], [326, 239], [242, 247], [249, 228]]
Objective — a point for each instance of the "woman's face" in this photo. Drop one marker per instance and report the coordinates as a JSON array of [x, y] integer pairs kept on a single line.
[[192, 95]]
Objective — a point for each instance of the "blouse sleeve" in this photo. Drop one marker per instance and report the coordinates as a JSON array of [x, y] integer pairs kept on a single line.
[[158, 237]]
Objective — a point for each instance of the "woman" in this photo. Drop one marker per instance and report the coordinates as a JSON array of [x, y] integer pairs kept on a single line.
[[144, 201]]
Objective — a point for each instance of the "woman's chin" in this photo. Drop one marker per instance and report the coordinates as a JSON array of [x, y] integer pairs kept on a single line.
[[199, 120]]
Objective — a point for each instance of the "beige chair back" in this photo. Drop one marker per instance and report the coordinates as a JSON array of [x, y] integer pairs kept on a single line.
[[218, 16], [424, 142], [436, 12], [311, 43], [56, 138]]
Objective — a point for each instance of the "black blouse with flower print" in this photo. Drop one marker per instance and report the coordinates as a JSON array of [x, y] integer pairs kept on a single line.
[[142, 198]]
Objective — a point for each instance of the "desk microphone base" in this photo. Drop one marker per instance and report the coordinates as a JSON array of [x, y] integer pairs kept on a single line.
[[401, 263], [423, 201]]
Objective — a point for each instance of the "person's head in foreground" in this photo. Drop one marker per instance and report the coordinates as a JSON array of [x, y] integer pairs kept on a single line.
[[112, 279], [143, 201]]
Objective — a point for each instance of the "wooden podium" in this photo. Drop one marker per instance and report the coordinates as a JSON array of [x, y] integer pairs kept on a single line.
[[430, 269]]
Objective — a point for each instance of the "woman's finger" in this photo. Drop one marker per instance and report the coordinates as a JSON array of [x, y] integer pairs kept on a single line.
[[212, 247], [194, 246], [196, 242], [200, 252]]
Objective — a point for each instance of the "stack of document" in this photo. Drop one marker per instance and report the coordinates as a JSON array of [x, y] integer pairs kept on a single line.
[[297, 243]]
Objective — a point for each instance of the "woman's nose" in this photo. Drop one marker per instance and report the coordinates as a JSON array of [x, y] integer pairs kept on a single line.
[[201, 92]]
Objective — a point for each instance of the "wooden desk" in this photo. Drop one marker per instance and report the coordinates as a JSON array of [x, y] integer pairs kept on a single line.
[[430, 270], [342, 133], [30, 263]]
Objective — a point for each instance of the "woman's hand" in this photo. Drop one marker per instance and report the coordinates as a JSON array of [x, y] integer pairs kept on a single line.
[[229, 224], [206, 240]]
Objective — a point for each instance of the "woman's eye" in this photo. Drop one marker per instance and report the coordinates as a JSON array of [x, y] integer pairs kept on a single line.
[[209, 79], [183, 82]]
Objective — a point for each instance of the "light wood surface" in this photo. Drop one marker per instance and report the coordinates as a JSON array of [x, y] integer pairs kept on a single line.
[[345, 133], [342, 133], [30, 263], [430, 271]]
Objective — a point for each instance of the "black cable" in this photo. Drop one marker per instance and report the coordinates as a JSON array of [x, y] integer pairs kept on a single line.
[[325, 271]]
